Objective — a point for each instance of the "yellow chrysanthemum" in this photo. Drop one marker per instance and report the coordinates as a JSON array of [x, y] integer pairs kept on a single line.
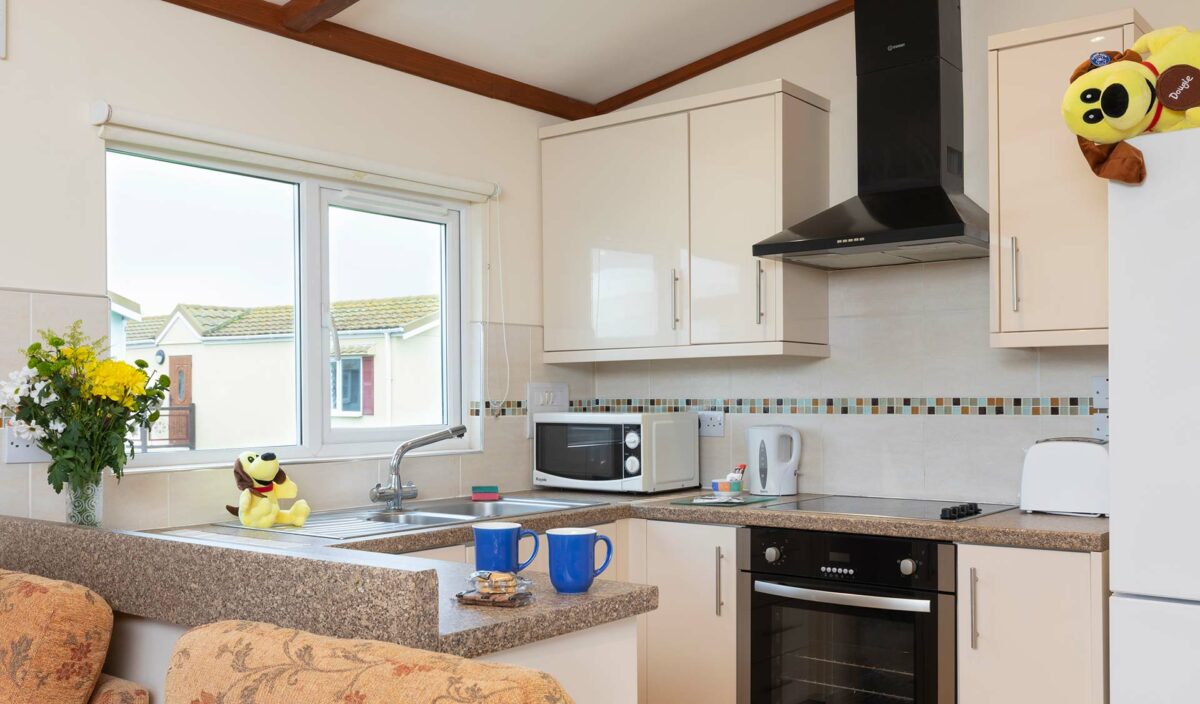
[[116, 381]]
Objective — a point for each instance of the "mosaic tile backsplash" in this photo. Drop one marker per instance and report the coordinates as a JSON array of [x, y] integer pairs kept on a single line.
[[878, 405]]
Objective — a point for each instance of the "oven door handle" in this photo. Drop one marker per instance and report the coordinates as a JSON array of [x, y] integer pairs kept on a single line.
[[866, 601]]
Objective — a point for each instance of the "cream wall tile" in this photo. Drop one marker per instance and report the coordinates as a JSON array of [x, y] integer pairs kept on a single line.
[[14, 490], [957, 359], [960, 285], [970, 458], [200, 496], [811, 429], [517, 363], [1068, 371], [56, 312], [716, 458], [44, 504], [15, 330], [690, 378], [436, 476], [332, 485], [873, 455], [885, 290], [580, 378], [874, 356], [772, 377], [138, 502], [507, 458], [623, 380]]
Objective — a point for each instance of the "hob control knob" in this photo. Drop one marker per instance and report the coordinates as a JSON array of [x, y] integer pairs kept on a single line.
[[908, 567], [772, 554]]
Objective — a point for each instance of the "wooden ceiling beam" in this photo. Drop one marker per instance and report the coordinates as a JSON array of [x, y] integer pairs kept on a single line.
[[303, 15], [745, 47], [269, 17]]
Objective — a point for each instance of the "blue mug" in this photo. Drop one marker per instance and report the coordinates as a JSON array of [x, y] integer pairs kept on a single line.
[[573, 558], [496, 546]]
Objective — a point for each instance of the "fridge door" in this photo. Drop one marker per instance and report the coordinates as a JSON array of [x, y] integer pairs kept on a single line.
[[1154, 338], [1154, 651]]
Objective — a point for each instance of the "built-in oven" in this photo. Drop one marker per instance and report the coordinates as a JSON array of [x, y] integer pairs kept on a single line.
[[630, 452], [834, 618]]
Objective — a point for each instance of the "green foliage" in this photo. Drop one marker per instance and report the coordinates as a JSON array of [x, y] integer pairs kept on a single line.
[[81, 409]]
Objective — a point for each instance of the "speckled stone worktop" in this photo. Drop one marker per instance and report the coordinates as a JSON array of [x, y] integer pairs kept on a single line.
[[366, 588]]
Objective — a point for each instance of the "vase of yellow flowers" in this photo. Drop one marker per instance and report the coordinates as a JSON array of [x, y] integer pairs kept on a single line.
[[82, 410]]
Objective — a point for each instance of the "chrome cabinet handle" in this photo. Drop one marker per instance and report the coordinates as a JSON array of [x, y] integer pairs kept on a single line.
[[974, 618], [718, 573], [866, 601], [758, 311], [674, 296], [1016, 297]]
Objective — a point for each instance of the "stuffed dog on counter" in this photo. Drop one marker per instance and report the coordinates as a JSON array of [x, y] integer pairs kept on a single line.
[[1155, 87], [263, 484]]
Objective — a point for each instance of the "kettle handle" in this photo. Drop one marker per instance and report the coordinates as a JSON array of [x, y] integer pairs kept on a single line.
[[794, 460]]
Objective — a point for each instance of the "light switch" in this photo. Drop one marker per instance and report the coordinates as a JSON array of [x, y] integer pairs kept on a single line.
[[1100, 392], [546, 398]]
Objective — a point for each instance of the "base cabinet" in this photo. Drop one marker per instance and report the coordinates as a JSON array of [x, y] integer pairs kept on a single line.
[[691, 639], [1031, 626]]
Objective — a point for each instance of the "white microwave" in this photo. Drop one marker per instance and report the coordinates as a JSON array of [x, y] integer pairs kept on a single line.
[[629, 452]]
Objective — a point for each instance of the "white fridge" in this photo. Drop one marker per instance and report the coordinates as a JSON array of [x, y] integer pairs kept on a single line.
[[1154, 371]]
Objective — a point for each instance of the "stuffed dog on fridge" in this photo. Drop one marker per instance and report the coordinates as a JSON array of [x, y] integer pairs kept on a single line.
[[263, 484]]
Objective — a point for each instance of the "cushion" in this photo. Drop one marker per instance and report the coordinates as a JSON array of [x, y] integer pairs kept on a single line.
[[113, 690]]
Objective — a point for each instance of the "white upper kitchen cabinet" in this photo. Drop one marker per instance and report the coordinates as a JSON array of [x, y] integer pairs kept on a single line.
[[648, 220], [1049, 213], [615, 236]]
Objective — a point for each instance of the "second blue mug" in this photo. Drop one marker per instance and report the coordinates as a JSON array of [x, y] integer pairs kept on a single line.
[[496, 546], [573, 558]]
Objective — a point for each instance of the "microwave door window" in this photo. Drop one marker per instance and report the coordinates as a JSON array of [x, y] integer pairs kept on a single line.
[[582, 452]]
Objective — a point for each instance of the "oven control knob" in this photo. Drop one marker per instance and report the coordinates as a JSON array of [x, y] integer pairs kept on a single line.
[[632, 465], [772, 554], [632, 440], [908, 567]]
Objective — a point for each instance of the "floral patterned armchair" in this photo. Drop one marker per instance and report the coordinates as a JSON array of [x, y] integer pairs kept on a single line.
[[236, 662], [53, 640]]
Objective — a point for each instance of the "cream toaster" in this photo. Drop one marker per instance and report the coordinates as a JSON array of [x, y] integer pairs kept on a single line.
[[1066, 475]]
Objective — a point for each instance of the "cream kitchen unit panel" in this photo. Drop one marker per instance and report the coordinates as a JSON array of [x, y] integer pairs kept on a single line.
[[754, 159], [1049, 213], [615, 236], [1032, 626]]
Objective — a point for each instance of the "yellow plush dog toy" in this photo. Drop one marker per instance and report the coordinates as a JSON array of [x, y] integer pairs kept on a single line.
[[1112, 97], [263, 484]]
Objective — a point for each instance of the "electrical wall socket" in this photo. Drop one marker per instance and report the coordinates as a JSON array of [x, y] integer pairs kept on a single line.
[[18, 451], [1100, 426], [712, 424], [1100, 392]]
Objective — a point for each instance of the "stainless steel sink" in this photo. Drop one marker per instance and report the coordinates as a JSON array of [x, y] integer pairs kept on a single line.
[[360, 523]]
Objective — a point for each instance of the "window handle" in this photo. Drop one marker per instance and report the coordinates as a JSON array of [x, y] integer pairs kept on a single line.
[[333, 334]]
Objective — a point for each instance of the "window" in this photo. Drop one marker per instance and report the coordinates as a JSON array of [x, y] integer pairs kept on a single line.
[[288, 310]]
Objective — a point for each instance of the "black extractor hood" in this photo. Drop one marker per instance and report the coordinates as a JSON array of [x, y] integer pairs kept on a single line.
[[910, 205]]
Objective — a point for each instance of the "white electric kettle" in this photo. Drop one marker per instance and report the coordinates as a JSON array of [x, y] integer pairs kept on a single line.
[[773, 461]]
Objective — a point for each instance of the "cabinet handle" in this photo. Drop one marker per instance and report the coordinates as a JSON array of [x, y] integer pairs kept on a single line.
[[1016, 297], [718, 573], [974, 610], [758, 277], [674, 296]]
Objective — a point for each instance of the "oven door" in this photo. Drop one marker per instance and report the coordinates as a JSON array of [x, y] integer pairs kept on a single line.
[[824, 642], [580, 454]]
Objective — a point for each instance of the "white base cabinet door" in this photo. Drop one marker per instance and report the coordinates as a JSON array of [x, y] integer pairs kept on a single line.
[[1031, 626], [691, 639]]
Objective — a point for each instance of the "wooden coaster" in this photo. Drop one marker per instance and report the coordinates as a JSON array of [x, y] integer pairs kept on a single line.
[[474, 598]]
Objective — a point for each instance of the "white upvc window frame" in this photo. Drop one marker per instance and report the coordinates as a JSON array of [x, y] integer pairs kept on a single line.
[[318, 441]]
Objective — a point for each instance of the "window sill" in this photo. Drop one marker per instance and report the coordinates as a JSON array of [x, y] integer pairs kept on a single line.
[[285, 463]]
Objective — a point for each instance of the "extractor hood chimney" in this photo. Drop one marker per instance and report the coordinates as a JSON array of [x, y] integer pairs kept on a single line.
[[910, 205]]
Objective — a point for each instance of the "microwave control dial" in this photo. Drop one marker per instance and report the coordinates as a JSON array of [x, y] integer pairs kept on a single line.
[[632, 440], [908, 567], [772, 554], [632, 465]]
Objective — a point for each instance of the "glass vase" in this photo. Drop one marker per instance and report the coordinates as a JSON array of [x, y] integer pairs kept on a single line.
[[85, 503]]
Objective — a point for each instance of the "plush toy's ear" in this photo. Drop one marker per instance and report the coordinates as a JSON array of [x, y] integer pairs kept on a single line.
[[279, 477], [1115, 162], [240, 477], [1091, 63]]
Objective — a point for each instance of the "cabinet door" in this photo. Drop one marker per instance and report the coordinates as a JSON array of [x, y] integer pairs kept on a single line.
[[733, 206], [615, 236], [1038, 619], [1050, 228], [691, 639]]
